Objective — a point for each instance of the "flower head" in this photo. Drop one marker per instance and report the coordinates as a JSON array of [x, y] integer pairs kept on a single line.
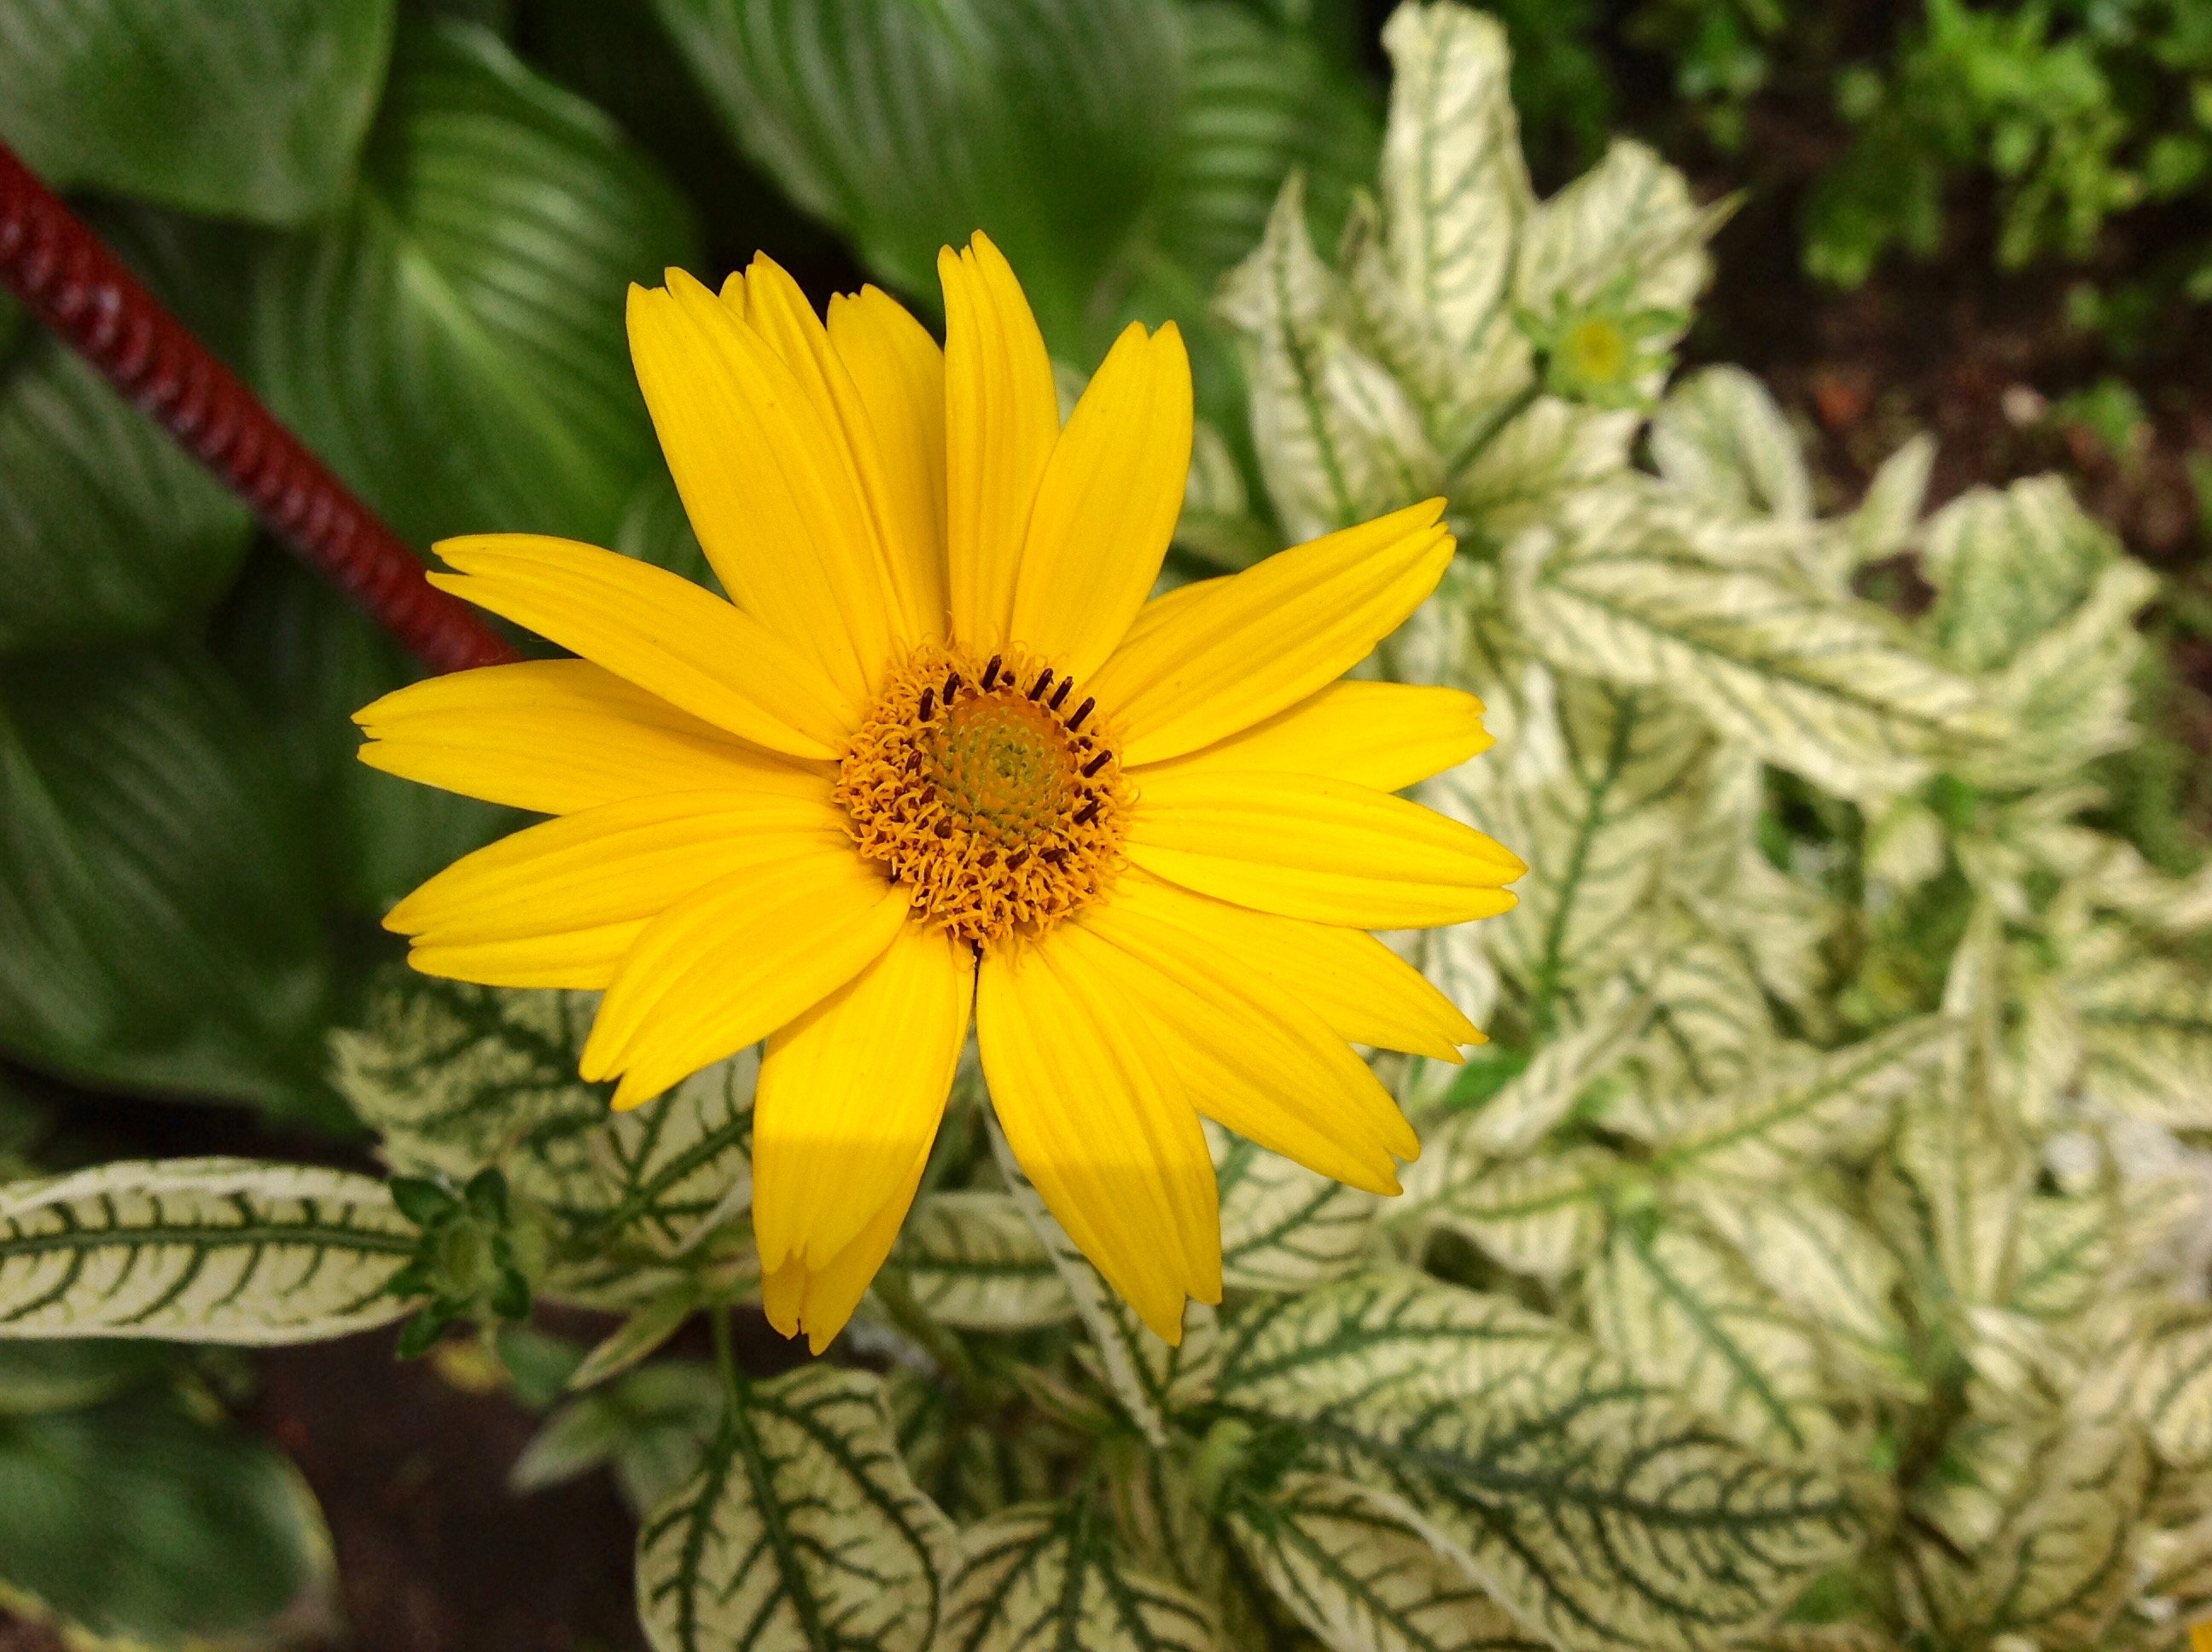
[[941, 758]]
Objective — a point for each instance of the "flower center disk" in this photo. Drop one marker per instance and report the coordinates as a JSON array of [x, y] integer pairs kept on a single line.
[[989, 790]]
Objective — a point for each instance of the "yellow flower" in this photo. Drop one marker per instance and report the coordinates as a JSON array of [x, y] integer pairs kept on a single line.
[[940, 756]]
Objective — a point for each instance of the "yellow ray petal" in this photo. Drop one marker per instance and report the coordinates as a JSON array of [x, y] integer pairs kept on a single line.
[[820, 1301], [765, 479], [1309, 847], [556, 736], [851, 1091], [1107, 504], [657, 630], [1236, 650], [1362, 991], [1001, 419], [899, 373], [1255, 1058], [907, 541], [728, 965], [1384, 735], [1101, 1122], [584, 960]]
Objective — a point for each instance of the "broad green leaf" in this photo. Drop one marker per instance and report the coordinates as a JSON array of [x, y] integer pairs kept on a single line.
[[1151, 1381], [1284, 1228], [455, 1078], [42, 1376], [108, 531], [452, 341], [2007, 566], [143, 1523], [200, 1250], [159, 923], [1808, 1106], [1542, 1216], [1050, 1574], [972, 1259], [802, 1531], [1362, 1579], [1677, 1310], [1596, 1511], [238, 111], [1827, 686], [1719, 436]]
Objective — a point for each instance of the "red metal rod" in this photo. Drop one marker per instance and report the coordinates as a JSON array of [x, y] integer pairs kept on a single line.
[[60, 271]]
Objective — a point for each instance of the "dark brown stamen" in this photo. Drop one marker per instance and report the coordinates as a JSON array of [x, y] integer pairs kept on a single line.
[[1042, 682], [928, 703], [1096, 763], [1081, 712], [1087, 813], [944, 827], [952, 686], [1014, 860], [1061, 694], [991, 674]]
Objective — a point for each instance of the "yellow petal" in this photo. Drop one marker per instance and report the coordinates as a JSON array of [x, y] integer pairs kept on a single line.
[[1255, 1058], [1384, 735], [908, 543], [1001, 419], [555, 736], [900, 373], [766, 480], [1233, 651], [1101, 1123], [584, 960], [819, 1301], [1363, 992], [726, 966], [1320, 849], [657, 630], [1107, 504], [851, 1091]]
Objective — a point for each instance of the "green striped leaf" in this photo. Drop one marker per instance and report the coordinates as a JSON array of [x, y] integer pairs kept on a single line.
[[1677, 1310], [1833, 689], [803, 1531], [1050, 1575], [1598, 1512], [451, 339], [972, 1259], [1284, 1228], [200, 1250], [1362, 1579]]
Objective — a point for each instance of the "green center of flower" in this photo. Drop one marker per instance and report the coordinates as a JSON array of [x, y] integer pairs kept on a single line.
[[989, 789], [1597, 350]]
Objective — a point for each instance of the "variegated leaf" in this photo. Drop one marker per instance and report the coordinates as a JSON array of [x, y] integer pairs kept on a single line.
[[1627, 224], [2170, 1390], [1284, 1228], [1050, 1575], [1676, 1309], [1809, 1106], [2146, 1025], [962, 1456], [803, 1531], [1544, 1092], [1523, 464], [972, 1259], [1827, 686], [1541, 1216], [2007, 566], [1720, 436], [2063, 1254], [200, 1250], [1599, 1512], [1361, 1578]]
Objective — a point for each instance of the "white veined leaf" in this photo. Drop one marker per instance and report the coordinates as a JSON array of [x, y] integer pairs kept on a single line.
[[1339, 440], [1720, 436], [2006, 566], [962, 1455], [1885, 521], [803, 1531], [1051, 1576], [1600, 1513], [1283, 1227], [1544, 1092], [1362, 1579], [2146, 1025], [1454, 188], [2120, 880], [1814, 1254], [1515, 475], [1710, 1029], [972, 1259], [1167, 1509], [200, 1250], [1808, 1106], [2048, 1554], [1627, 223], [1679, 1311], [1151, 1381], [1542, 1216], [1827, 686], [1965, 1160], [2064, 1252], [2169, 1390]]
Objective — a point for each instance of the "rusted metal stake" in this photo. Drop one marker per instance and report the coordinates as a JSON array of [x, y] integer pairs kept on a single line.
[[62, 274]]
